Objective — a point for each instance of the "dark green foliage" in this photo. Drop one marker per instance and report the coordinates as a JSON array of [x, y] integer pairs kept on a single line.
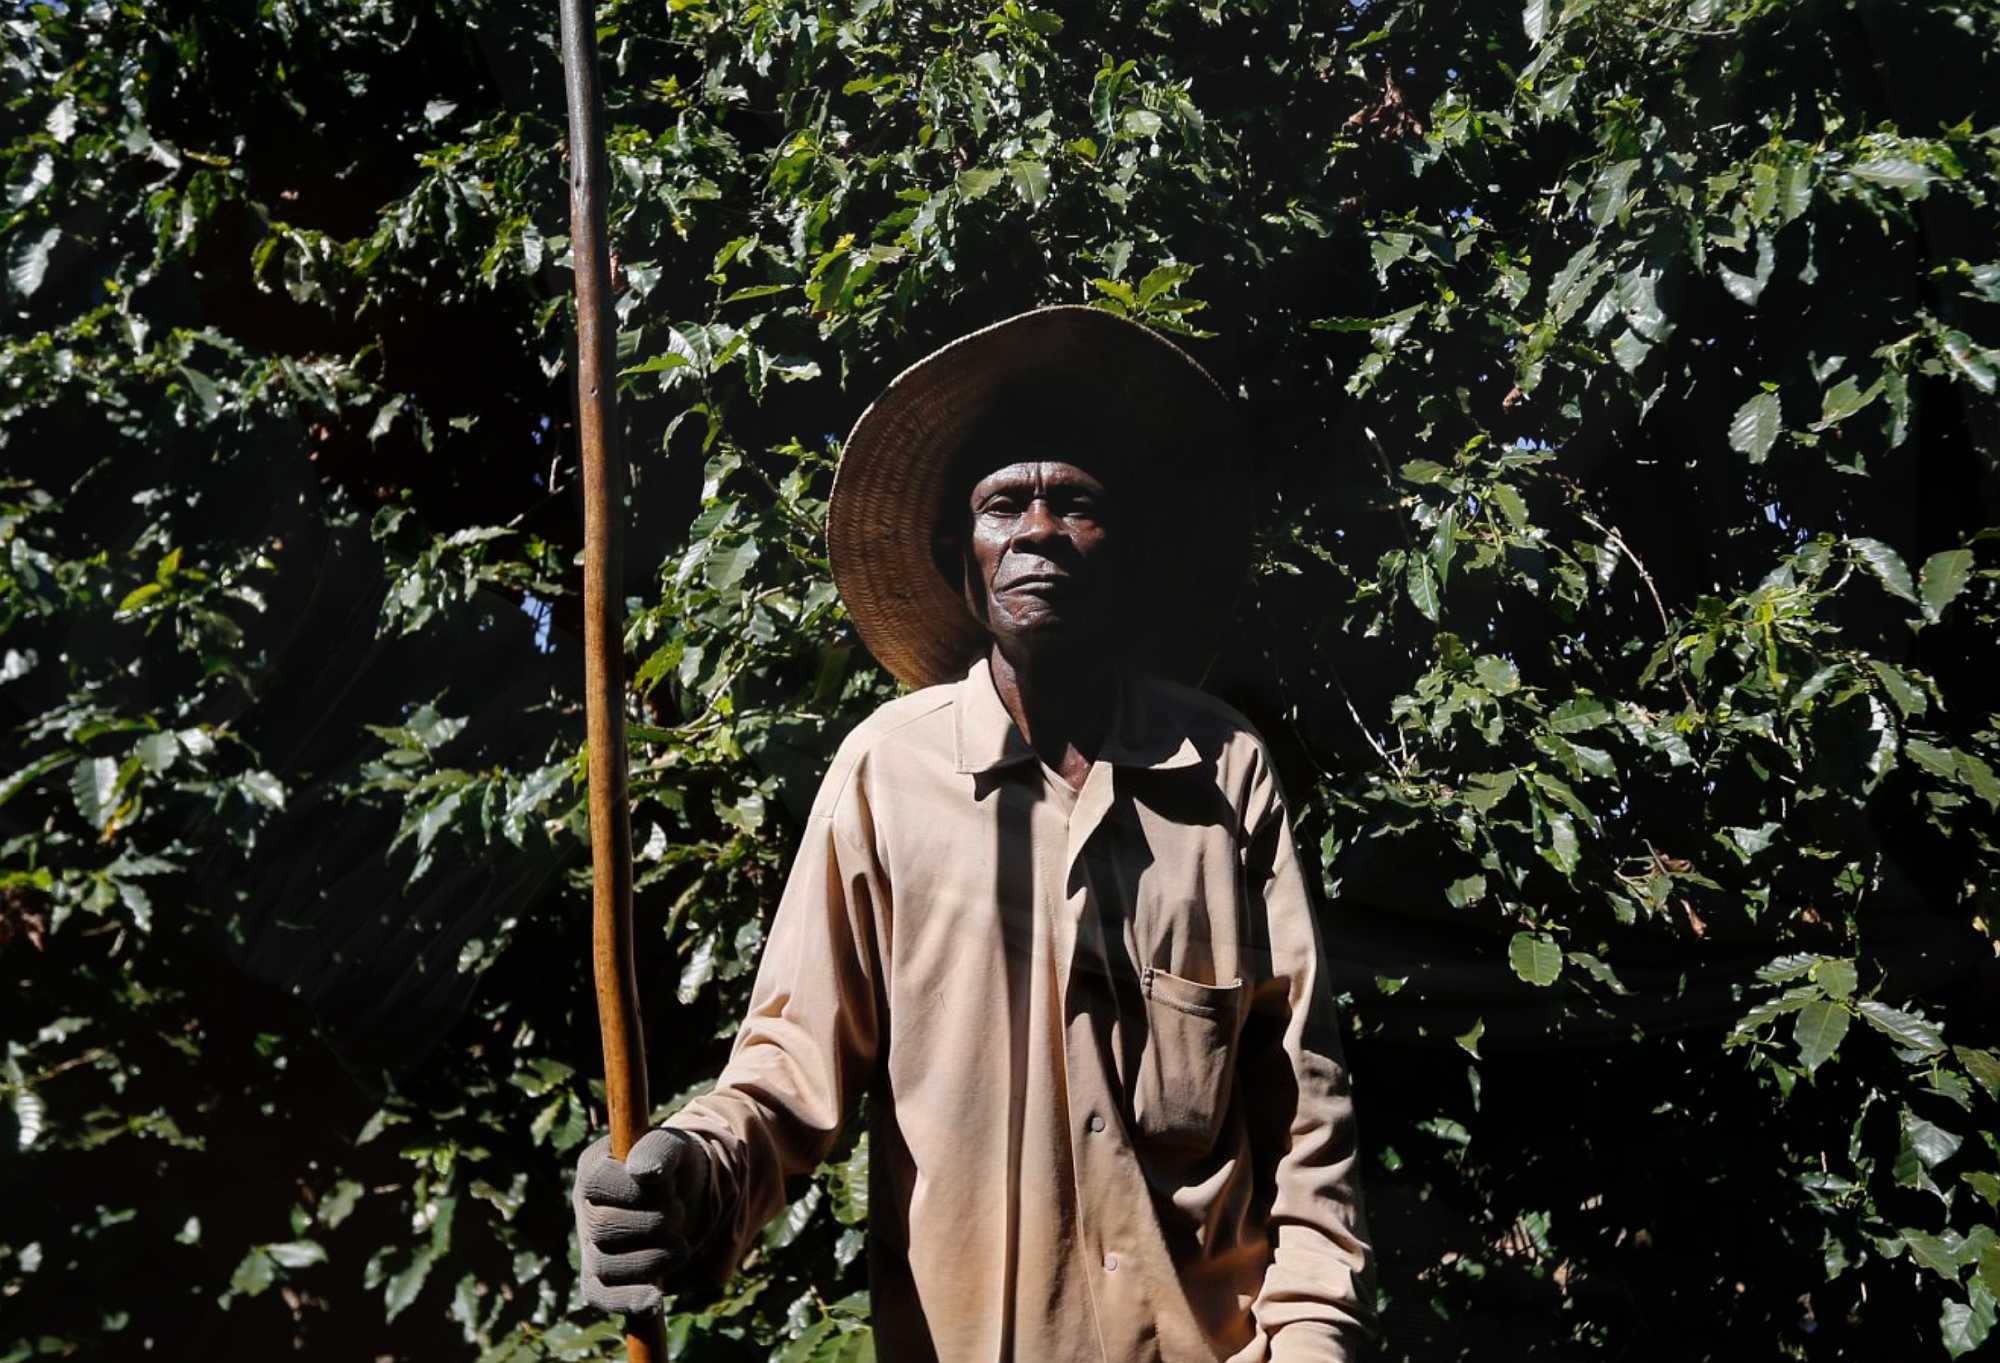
[[1622, 380]]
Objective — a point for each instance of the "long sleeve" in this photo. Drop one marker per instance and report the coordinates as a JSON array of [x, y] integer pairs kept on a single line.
[[1317, 1300], [809, 1039]]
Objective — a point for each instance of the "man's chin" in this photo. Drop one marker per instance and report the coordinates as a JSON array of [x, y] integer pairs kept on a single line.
[[1053, 635]]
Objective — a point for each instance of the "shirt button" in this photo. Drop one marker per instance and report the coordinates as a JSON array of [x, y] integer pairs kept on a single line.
[[1096, 1123], [1110, 1263]]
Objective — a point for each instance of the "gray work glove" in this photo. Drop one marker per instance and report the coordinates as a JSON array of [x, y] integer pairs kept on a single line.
[[639, 1220]]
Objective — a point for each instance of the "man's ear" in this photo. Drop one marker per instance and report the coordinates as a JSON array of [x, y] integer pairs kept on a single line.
[[967, 584]]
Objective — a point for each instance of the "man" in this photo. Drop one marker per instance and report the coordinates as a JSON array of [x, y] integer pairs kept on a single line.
[[1047, 910]]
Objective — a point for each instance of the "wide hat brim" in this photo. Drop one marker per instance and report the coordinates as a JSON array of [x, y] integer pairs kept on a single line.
[[1180, 438]]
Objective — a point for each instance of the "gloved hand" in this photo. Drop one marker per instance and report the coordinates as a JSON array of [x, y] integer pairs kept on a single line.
[[638, 1220]]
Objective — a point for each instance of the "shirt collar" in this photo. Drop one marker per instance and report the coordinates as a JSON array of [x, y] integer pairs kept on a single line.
[[1143, 734]]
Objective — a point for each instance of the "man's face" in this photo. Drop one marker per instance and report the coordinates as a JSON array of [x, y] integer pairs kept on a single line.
[[1041, 552]]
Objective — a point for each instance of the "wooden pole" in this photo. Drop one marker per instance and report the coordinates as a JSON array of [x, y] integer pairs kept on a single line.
[[603, 619]]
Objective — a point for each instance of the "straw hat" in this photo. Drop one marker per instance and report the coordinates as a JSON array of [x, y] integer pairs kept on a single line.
[[1091, 374]]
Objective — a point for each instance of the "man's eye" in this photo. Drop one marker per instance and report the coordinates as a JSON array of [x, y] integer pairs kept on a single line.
[[1000, 506]]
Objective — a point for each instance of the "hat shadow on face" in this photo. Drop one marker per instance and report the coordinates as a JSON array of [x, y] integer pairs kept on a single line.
[[1023, 428]]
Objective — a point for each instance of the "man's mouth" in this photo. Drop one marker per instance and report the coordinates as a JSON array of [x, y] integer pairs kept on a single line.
[[1038, 583]]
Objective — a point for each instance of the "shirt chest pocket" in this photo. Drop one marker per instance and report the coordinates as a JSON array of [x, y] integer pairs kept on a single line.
[[1187, 1067]]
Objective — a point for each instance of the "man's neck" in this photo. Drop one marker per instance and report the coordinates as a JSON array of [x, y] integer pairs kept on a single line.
[[1061, 704]]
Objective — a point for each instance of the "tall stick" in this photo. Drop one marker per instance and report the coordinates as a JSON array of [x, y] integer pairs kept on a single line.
[[603, 620]]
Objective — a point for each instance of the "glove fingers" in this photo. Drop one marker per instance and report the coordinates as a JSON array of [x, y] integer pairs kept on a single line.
[[638, 1267], [606, 1182], [615, 1229], [630, 1300], [633, 1216], [663, 1156]]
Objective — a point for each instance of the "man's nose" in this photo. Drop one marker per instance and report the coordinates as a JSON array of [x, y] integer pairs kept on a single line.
[[1036, 525]]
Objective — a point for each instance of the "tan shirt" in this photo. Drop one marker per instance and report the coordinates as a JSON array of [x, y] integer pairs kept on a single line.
[[1109, 1116]]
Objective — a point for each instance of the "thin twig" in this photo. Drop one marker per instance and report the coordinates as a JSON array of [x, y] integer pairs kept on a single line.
[[1648, 20], [88, 1057], [1366, 732], [1617, 541], [1389, 476]]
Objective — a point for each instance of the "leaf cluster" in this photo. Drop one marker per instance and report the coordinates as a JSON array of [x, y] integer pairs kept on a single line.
[[1621, 385]]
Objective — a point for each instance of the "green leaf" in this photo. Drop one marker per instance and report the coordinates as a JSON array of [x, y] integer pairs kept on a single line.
[[727, 566], [1498, 675], [698, 971], [1907, 1030], [254, 1273], [36, 769], [1580, 712], [1837, 977], [1964, 1326], [1755, 426], [1748, 842], [61, 122], [1983, 1066], [1909, 698], [1887, 565], [1561, 851], [1163, 279], [1638, 300], [1483, 790], [1535, 20], [264, 788], [94, 787], [1599, 971], [850, 1188], [1031, 181], [1943, 577], [1469, 1041], [297, 1253], [1442, 541], [1630, 351], [659, 364], [1938, 761], [139, 596], [1535, 957], [1899, 173], [1931, 1143], [786, 1227], [1933, 1253], [1465, 890], [1420, 581], [338, 1203], [1972, 771], [28, 263], [1974, 362], [405, 1285], [1609, 192], [1789, 967], [1771, 1009], [977, 183], [1819, 1028], [1142, 123], [157, 752], [1843, 400], [1747, 289]]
